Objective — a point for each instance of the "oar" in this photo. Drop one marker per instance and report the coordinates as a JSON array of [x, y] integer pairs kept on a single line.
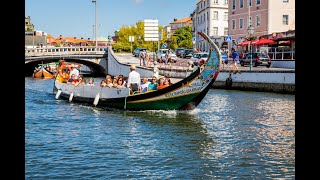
[[71, 95], [96, 99]]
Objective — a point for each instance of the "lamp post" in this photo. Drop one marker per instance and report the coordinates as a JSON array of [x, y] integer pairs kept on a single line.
[[96, 19], [250, 32]]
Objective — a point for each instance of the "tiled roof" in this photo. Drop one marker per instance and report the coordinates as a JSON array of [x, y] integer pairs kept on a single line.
[[183, 20]]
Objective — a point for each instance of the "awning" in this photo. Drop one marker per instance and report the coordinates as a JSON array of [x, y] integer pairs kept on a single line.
[[263, 41]]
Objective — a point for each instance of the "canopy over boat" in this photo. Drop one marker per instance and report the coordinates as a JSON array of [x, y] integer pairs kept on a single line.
[[183, 95]]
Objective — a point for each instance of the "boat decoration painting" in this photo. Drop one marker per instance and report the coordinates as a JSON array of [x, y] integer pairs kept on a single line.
[[185, 94]]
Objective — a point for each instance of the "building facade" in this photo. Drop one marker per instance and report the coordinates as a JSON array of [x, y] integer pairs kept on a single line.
[[179, 23], [266, 17], [210, 17]]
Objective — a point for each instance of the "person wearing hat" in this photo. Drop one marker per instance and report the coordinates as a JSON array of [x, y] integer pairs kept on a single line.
[[74, 70], [133, 79]]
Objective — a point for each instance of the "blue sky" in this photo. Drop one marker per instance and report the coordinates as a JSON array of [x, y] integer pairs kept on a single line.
[[75, 18]]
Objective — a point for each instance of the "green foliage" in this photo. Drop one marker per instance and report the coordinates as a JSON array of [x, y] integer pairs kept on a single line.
[[125, 31], [183, 37]]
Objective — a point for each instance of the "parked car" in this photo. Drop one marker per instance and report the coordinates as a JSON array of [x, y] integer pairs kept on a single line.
[[188, 53], [161, 55], [199, 58], [136, 52], [179, 52], [258, 59]]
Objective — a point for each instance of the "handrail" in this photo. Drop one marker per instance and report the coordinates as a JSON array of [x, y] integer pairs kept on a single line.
[[51, 50]]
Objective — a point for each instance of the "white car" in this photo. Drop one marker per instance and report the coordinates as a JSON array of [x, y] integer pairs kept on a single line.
[[161, 56], [199, 58]]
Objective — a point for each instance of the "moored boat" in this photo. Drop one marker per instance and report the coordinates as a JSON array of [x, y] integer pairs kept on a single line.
[[42, 73], [183, 95]]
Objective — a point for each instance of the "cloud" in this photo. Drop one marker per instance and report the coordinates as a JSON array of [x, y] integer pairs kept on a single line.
[[137, 1]]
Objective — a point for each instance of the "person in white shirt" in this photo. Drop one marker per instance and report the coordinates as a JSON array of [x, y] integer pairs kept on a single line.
[[144, 86], [74, 71], [133, 79]]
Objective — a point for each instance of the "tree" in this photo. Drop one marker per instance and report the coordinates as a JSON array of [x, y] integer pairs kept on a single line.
[[183, 37], [123, 43]]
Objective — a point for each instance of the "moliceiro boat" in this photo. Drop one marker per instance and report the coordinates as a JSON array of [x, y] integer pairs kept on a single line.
[[42, 73], [183, 95]]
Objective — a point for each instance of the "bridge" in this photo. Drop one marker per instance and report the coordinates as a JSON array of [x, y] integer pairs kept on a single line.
[[100, 60]]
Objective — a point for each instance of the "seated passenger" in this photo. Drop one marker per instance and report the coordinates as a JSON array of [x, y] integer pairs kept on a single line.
[[103, 83], [81, 81], [120, 83], [73, 80], [115, 81], [162, 84], [109, 83], [153, 85], [91, 82], [144, 85], [124, 82]]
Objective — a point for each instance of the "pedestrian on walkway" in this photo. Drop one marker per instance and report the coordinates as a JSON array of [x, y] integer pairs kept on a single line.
[[235, 57]]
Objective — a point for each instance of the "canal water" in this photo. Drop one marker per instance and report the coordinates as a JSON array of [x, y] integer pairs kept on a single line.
[[231, 134]]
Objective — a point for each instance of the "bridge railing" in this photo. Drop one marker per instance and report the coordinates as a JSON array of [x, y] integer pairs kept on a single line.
[[65, 50]]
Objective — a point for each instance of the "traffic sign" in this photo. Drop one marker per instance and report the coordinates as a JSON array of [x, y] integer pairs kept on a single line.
[[164, 45], [228, 38], [193, 38]]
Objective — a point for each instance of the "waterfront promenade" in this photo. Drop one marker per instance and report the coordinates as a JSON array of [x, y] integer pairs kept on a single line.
[[261, 78]]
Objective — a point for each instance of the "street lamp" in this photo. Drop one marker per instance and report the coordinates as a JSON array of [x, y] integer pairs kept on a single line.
[[250, 32], [96, 19]]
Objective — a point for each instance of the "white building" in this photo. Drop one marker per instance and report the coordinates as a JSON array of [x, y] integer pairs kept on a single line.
[[210, 17]]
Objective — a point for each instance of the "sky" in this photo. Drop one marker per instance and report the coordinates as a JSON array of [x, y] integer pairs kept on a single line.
[[76, 18]]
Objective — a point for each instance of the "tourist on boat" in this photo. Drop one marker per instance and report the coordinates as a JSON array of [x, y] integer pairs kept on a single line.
[[108, 76], [144, 85], [153, 85], [120, 83], [167, 79], [114, 82], [103, 83], [73, 80], [81, 80], [162, 83], [90, 82], [109, 83], [124, 82], [133, 79], [156, 69], [74, 70]]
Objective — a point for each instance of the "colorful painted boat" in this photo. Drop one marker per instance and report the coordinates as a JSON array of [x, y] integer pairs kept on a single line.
[[42, 73], [183, 95]]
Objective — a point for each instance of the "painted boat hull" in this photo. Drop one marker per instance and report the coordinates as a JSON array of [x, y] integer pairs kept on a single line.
[[42, 73], [183, 95]]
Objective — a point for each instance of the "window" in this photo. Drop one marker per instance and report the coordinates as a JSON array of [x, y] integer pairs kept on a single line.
[[208, 16], [204, 17], [285, 1], [250, 3], [201, 19], [233, 24], [215, 30], [240, 23], [258, 2], [225, 17], [241, 3], [208, 30], [225, 2], [204, 4], [285, 19], [215, 15], [233, 4], [198, 20], [215, 2], [258, 21], [225, 31]]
